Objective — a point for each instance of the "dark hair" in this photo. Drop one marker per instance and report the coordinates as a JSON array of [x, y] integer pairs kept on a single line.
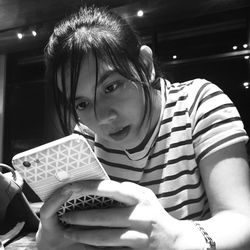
[[110, 38]]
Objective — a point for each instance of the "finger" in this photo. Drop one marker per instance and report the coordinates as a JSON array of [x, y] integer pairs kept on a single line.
[[87, 247], [134, 217], [48, 212], [111, 217], [126, 192], [108, 237]]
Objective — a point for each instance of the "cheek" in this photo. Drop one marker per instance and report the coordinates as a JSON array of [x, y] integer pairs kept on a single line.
[[135, 110], [87, 120], [136, 104]]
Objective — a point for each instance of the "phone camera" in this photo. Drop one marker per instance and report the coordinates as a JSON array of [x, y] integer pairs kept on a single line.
[[26, 164]]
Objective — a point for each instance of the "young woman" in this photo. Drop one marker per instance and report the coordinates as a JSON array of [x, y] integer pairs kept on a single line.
[[175, 153]]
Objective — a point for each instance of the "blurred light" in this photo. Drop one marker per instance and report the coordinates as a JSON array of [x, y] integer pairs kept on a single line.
[[246, 57], [235, 47], [19, 35], [245, 46], [33, 33], [174, 56], [246, 85], [140, 13]]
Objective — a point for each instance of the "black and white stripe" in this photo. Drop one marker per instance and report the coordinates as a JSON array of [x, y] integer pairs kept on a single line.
[[197, 119]]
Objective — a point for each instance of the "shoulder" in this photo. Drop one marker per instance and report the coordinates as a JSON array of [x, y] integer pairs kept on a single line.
[[191, 87], [188, 88], [198, 91], [185, 94]]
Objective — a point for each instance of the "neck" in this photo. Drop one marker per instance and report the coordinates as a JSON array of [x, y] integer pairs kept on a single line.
[[150, 123]]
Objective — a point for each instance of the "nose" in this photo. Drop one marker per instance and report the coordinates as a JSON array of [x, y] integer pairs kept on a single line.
[[106, 118], [105, 114]]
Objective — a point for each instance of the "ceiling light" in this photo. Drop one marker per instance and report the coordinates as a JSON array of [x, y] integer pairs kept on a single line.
[[235, 47], [245, 46], [19, 35], [33, 33], [174, 56], [246, 85], [246, 57], [140, 13]]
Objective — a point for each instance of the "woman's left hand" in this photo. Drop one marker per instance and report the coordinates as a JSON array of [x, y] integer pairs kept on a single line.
[[141, 224]]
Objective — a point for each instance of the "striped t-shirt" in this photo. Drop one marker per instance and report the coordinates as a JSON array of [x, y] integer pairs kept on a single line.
[[196, 119]]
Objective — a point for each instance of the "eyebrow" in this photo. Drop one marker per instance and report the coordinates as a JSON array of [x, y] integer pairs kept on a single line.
[[103, 77]]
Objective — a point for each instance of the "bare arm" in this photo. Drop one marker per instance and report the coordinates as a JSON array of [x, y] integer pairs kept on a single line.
[[144, 224], [226, 179]]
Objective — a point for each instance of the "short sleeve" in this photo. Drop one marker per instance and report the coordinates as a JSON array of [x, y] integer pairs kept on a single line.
[[215, 121]]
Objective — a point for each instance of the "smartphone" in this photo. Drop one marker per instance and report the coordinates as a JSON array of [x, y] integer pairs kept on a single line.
[[54, 164]]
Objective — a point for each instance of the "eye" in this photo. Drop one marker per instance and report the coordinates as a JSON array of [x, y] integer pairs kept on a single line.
[[81, 105], [110, 88]]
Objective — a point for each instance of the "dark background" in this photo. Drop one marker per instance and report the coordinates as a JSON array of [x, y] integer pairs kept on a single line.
[[200, 32]]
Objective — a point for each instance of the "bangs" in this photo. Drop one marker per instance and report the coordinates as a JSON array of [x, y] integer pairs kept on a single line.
[[64, 93]]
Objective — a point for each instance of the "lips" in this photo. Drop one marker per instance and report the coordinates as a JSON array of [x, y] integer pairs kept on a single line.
[[120, 134]]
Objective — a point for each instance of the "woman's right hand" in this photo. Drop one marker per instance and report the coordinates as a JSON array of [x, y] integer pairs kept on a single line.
[[50, 234]]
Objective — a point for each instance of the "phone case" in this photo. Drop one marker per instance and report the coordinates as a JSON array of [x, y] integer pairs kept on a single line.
[[52, 165]]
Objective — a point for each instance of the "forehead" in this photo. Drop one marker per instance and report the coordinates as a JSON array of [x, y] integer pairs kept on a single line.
[[88, 72]]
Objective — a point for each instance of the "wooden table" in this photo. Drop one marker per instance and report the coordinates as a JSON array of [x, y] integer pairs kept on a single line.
[[26, 242]]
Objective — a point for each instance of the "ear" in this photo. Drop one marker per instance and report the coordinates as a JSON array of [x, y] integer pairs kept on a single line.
[[147, 57]]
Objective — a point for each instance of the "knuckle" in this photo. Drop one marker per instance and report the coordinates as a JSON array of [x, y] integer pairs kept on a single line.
[[147, 191], [126, 184], [147, 194], [43, 214]]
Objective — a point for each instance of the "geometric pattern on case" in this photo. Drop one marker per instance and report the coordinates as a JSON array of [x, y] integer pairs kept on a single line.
[[87, 202], [53, 167], [52, 160]]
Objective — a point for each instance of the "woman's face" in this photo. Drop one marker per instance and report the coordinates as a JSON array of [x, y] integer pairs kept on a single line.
[[119, 105]]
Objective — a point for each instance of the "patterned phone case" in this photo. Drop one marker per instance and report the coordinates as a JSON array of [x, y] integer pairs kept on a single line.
[[52, 165]]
